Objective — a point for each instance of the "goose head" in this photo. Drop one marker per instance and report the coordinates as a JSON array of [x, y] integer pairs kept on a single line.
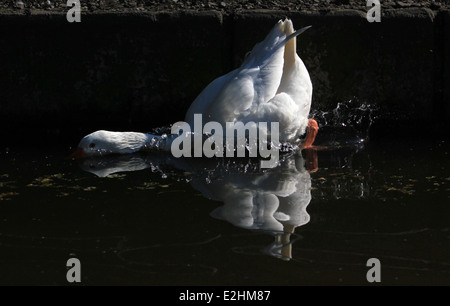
[[105, 142]]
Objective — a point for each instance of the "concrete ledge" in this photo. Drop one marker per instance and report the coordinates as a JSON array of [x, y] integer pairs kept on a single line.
[[135, 71]]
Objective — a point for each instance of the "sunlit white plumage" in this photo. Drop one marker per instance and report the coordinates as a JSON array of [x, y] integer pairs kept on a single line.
[[272, 85], [102, 142]]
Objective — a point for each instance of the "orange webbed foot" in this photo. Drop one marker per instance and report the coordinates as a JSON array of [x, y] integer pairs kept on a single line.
[[311, 133]]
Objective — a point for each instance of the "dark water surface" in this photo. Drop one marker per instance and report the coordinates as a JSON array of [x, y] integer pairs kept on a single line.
[[154, 220]]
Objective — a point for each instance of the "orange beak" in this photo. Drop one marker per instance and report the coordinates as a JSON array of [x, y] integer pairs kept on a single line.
[[79, 153]]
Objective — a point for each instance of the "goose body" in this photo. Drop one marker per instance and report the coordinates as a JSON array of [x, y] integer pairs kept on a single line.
[[272, 85]]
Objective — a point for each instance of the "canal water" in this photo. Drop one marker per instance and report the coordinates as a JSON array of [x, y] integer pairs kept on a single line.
[[151, 219]]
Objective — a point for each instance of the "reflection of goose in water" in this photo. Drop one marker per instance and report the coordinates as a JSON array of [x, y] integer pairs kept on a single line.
[[272, 201], [272, 85], [102, 167]]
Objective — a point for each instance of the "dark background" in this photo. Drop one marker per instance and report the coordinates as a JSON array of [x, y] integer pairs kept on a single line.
[[136, 65]]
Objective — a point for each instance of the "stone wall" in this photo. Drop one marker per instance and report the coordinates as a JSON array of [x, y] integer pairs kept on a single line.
[[136, 71]]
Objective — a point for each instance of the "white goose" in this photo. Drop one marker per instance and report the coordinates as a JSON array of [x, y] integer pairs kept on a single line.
[[272, 85]]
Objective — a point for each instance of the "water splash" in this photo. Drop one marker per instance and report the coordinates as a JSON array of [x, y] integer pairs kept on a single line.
[[348, 123], [158, 142], [161, 130]]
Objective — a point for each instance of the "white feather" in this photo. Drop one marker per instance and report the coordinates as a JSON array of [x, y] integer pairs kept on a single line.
[[272, 85]]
